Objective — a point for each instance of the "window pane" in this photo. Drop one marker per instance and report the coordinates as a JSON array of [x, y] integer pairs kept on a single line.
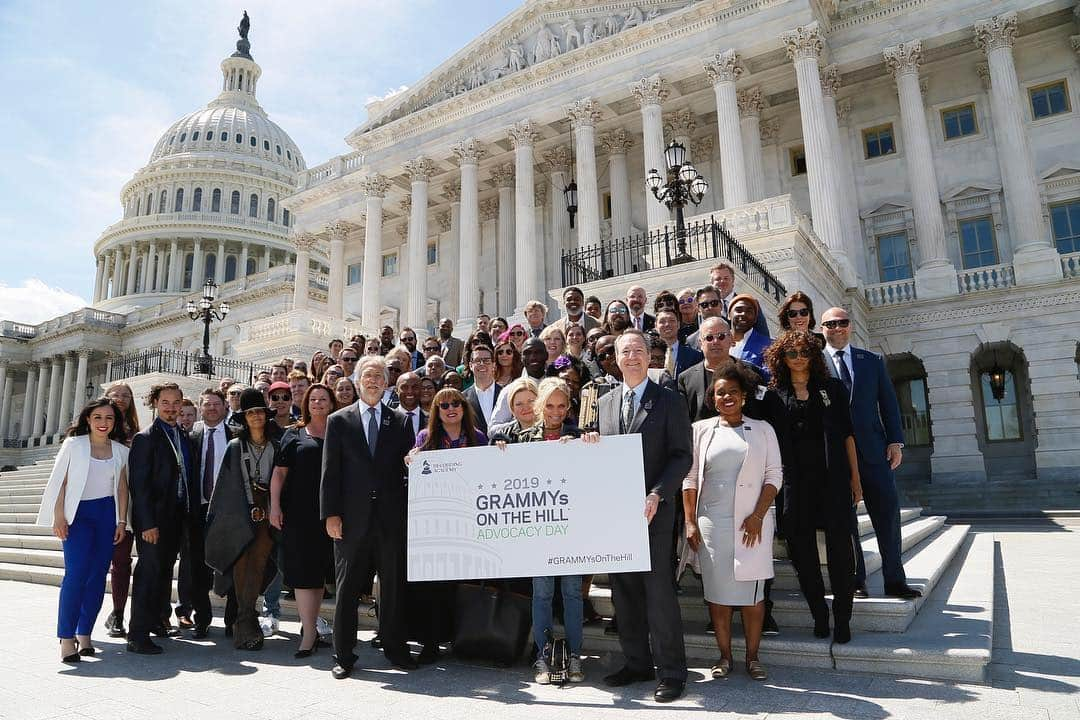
[[1039, 106], [1057, 99], [886, 143], [354, 274], [977, 243], [967, 121], [952, 126], [1002, 416], [893, 260]]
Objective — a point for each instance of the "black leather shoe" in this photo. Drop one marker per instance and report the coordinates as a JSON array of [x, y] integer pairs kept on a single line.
[[429, 654], [821, 627], [669, 690], [902, 591], [402, 660], [842, 632], [184, 621], [340, 672], [861, 593], [166, 630], [200, 632], [143, 647], [115, 626], [625, 676], [769, 626]]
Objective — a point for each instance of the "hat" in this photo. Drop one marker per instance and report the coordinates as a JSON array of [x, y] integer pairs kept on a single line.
[[252, 399], [748, 298], [279, 385]]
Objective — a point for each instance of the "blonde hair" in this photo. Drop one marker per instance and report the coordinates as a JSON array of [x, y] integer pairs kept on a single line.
[[548, 387], [517, 386], [551, 331]]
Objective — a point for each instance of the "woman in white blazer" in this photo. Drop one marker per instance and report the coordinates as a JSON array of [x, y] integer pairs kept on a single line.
[[727, 498], [86, 504]]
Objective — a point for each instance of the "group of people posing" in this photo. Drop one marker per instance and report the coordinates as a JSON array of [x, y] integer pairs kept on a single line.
[[302, 478]]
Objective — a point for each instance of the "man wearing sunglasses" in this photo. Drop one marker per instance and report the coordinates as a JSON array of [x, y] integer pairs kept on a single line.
[[709, 306], [574, 312], [695, 383], [408, 339], [879, 440]]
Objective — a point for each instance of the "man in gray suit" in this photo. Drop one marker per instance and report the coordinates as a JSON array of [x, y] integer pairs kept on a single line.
[[450, 347]]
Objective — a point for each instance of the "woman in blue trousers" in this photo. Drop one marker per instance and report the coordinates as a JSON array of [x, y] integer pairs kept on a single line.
[[86, 504]]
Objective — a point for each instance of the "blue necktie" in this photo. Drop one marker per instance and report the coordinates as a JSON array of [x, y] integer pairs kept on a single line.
[[845, 374], [372, 431]]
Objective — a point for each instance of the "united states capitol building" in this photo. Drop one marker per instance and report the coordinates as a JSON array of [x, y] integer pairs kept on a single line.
[[915, 161]]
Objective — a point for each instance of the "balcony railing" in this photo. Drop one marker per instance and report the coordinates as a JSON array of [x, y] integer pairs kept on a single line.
[[1070, 265], [895, 292], [178, 362], [705, 240], [83, 316], [988, 277]]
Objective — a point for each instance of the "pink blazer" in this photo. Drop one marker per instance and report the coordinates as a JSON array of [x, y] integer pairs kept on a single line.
[[761, 465]]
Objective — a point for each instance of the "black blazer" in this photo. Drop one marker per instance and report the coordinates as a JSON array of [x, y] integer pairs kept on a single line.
[[350, 475], [478, 415], [664, 425], [153, 476], [648, 322], [698, 397]]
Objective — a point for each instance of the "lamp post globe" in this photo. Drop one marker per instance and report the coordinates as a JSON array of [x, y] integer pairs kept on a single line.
[[206, 312]]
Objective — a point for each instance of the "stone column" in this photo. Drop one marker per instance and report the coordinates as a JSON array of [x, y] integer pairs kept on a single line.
[[5, 385], [39, 400], [543, 256], [80, 384], [66, 392], [117, 272], [419, 171], [303, 242], [651, 92], [847, 202], [557, 163], [1034, 259], [241, 268], [584, 115], [131, 285], [219, 263], [724, 69], [849, 194], [335, 296], [99, 274], [527, 287], [468, 153], [153, 274], [936, 276], [175, 266], [197, 266], [52, 414], [26, 428], [107, 275], [264, 259], [374, 188], [751, 102], [679, 126], [804, 45], [506, 287], [5, 407], [616, 144]]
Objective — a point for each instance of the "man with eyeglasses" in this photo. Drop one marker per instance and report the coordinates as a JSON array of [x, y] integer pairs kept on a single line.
[[709, 305], [347, 359], [232, 396], [484, 391], [879, 440], [408, 339], [574, 307], [722, 277], [450, 347], [430, 349]]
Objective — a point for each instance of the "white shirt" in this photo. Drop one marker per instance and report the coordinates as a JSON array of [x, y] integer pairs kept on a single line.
[[638, 391], [847, 360], [736, 350], [364, 415], [487, 400], [726, 301], [99, 479], [220, 443]]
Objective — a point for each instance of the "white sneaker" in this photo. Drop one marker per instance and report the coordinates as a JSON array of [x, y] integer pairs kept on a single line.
[[268, 624], [322, 627], [543, 672], [576, 674]]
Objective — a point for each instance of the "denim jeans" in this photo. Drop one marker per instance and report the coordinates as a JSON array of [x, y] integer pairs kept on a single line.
[[272, 595], [543, 592]]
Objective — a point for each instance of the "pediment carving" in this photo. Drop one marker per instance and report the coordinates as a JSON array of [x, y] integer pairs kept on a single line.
[[1059, 171], [968, 190]]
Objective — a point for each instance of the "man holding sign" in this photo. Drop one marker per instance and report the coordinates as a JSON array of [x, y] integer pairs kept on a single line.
[[646, 603]]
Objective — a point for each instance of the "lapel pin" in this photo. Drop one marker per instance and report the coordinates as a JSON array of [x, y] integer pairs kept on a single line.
[[825, 398]]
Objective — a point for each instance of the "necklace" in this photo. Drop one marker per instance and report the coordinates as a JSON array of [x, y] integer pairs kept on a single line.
[[257, 470]]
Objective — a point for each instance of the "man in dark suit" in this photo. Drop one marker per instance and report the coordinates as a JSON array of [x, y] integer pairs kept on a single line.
[[646, 603], [408, 339], [450, 347], [639, 319], [695, 384], [364, 501], [208, 438], [484, 391], [879, 440], [164, 476], [408, 395], [709, 305], [722, 277], [679, 356]]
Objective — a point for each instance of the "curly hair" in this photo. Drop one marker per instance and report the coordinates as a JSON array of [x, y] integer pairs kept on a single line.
[[794, 340]]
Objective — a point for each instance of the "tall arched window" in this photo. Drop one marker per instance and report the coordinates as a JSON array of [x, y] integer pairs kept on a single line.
[[215, 200], [271, 209], [251, 265], [285, 217], [210, 266], [230, 268], [162, 199], [149, 202], [196, 200], [253, 206], [189, 262], [138, 206], [178, 206], [234, 204]]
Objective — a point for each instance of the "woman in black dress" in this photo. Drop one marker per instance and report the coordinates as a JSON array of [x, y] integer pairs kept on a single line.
[[294, 509], [809, 411]]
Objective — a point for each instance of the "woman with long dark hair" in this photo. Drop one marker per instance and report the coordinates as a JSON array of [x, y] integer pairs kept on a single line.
[[797, 313], [809, 410], [86, 504], [294, 509], [344, 392], [120, 578], [508, 365]]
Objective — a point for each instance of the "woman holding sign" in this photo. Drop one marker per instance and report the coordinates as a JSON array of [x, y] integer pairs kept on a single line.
[[552, 409], [727, 497]]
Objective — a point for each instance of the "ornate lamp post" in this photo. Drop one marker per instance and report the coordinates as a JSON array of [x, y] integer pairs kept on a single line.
[[207, 313], [684, 185]]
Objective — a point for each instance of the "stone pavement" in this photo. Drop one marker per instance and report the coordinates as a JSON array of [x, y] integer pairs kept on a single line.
[[1036, 671]]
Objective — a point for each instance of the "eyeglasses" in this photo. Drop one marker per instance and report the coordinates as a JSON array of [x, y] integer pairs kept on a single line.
[[347, 359], [482, 361], [429, 348], [408, 338], [617, 310], [803, 312], [833, 324], [716, 337], [606, 355], [451, 404], [706, 304], [235, 393], [279, 398], [504, 351], [804, 353], [686, 301], [518, 333]]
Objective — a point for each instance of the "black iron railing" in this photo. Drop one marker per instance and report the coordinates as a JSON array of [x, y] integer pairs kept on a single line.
[[705, 240], [177, 362]]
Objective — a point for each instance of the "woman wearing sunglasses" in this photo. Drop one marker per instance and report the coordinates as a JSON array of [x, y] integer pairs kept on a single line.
[[516, 334], [809, 410], [508, 364], [797, 313]]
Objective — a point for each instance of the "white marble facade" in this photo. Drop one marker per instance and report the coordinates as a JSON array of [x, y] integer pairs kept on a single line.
[[915, 161]]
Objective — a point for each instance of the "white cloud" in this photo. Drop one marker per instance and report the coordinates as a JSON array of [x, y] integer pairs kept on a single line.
[[36, 302], [389, 94]]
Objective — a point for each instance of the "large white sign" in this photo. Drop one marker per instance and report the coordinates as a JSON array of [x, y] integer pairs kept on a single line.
[[532, 510]]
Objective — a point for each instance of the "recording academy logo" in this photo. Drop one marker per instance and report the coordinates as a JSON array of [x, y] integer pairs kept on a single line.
[[427, 468]]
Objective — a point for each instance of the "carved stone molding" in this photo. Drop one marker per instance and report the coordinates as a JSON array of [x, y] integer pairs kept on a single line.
[[468, 151], [452, 191], [616, 142], [680, 123], [803, 42], [303, 242], [751, 102], [444, 220], [770, 129], [984, 75], [338, 230], [403, 231], [558, 159], [489, 209], [540, 193], [584, 113], [503, 175], [701, 148], [844, 108], [406, 205], [420, 169], [904, 59], [996, 32], [724, 66], [375, 186], [652, 90], [523, 132], [830, 80]]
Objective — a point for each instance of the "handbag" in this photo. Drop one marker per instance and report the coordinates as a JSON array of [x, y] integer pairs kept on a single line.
[[491, 623]]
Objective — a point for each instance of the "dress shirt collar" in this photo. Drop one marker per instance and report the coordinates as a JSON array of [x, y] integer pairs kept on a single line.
[[638, 390], [363, 407]]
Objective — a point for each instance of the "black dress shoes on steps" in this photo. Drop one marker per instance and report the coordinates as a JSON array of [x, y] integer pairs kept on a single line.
[[143, 647], [861, 593], [625, 676], [340, 672], [902, 591], [841, 633], [821, 627], [669, 690]]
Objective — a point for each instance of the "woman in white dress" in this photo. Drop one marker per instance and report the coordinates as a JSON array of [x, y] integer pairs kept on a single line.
[[727, 497]]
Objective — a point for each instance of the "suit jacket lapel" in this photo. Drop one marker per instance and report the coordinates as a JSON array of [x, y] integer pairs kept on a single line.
[[355, 410], [643, 408], [609, 413]]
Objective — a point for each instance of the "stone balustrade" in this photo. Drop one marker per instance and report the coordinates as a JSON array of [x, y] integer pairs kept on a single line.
[[331, 170], [213, 219], [988, 277], [896, 292], [1070, 265]]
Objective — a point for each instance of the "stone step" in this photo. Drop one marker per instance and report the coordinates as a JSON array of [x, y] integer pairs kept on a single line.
[[19, 507], [866, 529], [23, 528], [21, 497], [18, 517], [10, 541]]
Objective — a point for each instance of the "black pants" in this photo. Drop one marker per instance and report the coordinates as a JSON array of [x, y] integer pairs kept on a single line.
[[883, 507], [192, 560], [650, 622], [803, 551], [152, 584], [384, 545]]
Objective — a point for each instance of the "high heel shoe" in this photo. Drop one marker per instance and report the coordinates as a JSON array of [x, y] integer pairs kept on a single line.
[[302, 652], [87, 651], [73, 657]]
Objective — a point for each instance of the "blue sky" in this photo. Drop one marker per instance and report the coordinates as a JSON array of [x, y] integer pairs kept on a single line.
[[90, 86]]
